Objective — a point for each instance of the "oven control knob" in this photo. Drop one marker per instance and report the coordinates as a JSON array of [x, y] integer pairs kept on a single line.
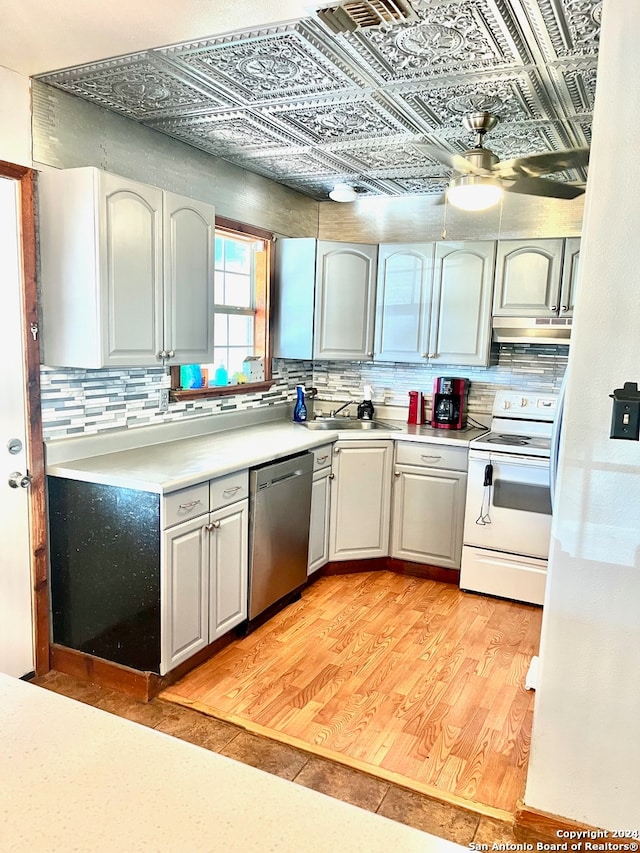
[[523, 402], [506, 404]]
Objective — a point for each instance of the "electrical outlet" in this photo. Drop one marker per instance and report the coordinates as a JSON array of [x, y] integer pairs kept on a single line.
[[163, 403]]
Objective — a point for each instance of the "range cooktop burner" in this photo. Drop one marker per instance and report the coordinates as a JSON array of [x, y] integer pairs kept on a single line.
[[502, 438]]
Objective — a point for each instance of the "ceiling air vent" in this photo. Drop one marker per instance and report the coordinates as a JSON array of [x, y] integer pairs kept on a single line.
[[365, 14]]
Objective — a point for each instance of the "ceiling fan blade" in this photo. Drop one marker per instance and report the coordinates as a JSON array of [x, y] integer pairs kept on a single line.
[[543, 164], [454, 161], [543, 187]]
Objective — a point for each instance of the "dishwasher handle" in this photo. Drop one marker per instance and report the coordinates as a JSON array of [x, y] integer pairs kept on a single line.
[[298, 473]]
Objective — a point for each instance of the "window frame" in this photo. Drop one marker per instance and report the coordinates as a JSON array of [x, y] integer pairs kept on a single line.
[[262, 330]]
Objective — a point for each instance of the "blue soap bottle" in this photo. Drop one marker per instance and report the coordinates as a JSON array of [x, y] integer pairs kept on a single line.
[[300, 408]]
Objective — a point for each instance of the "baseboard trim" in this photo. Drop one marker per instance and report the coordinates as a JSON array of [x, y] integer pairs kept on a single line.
[[139, 685], [391, 564], [546, 824]]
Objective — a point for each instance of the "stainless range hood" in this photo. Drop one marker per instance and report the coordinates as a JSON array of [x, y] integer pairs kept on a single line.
[[531, 330]]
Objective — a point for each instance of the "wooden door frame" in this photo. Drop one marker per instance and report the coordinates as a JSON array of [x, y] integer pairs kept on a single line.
[[35, 449]]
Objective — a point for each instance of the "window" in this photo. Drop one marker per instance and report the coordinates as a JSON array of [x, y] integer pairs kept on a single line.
[[242, 261]]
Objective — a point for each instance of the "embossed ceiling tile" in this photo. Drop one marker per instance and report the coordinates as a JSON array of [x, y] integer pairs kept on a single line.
[[565, 28], [289, 163], [518, 139], [137, 86], [579, 79], [394, 155], [226, 133], [283, 63], [420, 186], [514, 95], [337, 119], [462, 37]]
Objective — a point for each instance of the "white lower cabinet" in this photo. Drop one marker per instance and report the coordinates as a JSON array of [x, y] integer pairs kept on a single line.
[[428, 504], [204, 572], [360, 499], [320, 509], [228, 568]]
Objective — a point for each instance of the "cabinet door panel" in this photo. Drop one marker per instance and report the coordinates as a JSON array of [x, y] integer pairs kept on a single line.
[[569, 276], [228, 571], [461, 318], [189, 233], [428, 516], [403, 302], [319, 526], [184, 593], [345, 294], [360, 500], [528, 278], [131, 268]]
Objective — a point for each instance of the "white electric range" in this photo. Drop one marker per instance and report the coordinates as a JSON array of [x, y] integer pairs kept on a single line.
[[508, 508]]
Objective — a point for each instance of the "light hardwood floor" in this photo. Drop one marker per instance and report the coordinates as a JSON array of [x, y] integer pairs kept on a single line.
[[406, 678]]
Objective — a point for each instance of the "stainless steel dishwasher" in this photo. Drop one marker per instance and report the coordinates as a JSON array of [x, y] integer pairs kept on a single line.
[[279, 512]]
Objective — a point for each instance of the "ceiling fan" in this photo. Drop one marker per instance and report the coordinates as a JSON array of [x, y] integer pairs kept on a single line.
[[479, 177]]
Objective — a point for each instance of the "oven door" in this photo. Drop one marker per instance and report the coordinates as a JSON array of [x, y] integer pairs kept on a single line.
[[512, 512]]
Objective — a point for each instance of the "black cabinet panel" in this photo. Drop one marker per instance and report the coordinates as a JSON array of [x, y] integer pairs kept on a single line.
[[105, 571]]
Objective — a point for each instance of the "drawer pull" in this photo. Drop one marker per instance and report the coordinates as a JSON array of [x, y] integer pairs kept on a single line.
[[231, 491], [427, 456], [323, 458], [190, 504]]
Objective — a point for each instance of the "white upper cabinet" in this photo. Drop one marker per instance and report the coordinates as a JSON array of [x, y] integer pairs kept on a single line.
[[434, 303], [345, 301], [528, 278], [569, 288], [324, 300], [189, 236], [126, 272], [403, 301]]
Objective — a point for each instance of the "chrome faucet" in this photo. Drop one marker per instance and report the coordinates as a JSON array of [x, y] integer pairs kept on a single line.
[[334, 412]]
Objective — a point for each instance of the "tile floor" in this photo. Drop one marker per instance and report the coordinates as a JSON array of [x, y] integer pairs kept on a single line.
[[392, 801]]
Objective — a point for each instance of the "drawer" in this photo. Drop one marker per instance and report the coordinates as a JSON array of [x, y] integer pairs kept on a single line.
[[431, 455], [229, 489], [186, 503], [322, 456]]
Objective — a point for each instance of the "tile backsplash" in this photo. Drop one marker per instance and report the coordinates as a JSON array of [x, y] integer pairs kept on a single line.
[[75, 402], [516, 366], [92, 401]]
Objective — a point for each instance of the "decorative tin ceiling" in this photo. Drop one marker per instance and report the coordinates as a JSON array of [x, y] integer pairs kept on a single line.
[[309, 108]]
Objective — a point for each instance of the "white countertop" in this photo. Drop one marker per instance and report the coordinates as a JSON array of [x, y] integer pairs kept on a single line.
[[171, 465], [78, 778]]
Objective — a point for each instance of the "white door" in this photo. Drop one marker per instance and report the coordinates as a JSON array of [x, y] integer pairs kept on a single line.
[[16, 615]]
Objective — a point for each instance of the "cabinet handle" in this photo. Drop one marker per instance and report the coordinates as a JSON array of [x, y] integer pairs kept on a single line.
[[370, 354], [397, 473], [190, 504], [161, 354], [332, 476], [323, 458], [213, 525], [231, 491], [425, 355], [336, 450], [170, 353], [427, 456], [554, 307], [564, 308]]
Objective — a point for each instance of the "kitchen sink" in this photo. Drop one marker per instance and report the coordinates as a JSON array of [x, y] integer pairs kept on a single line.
[[346, 423]]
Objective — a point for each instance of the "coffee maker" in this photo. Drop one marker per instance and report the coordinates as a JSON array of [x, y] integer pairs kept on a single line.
[[450, 399]]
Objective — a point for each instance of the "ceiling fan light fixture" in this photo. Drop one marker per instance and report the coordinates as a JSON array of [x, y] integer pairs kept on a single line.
[[343, 192], [474, 192]]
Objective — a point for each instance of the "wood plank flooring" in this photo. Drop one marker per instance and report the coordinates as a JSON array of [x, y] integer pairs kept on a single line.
[[406, 678]]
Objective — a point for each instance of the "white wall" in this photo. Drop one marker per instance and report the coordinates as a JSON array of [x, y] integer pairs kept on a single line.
[[585, 754], [15, 118]]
